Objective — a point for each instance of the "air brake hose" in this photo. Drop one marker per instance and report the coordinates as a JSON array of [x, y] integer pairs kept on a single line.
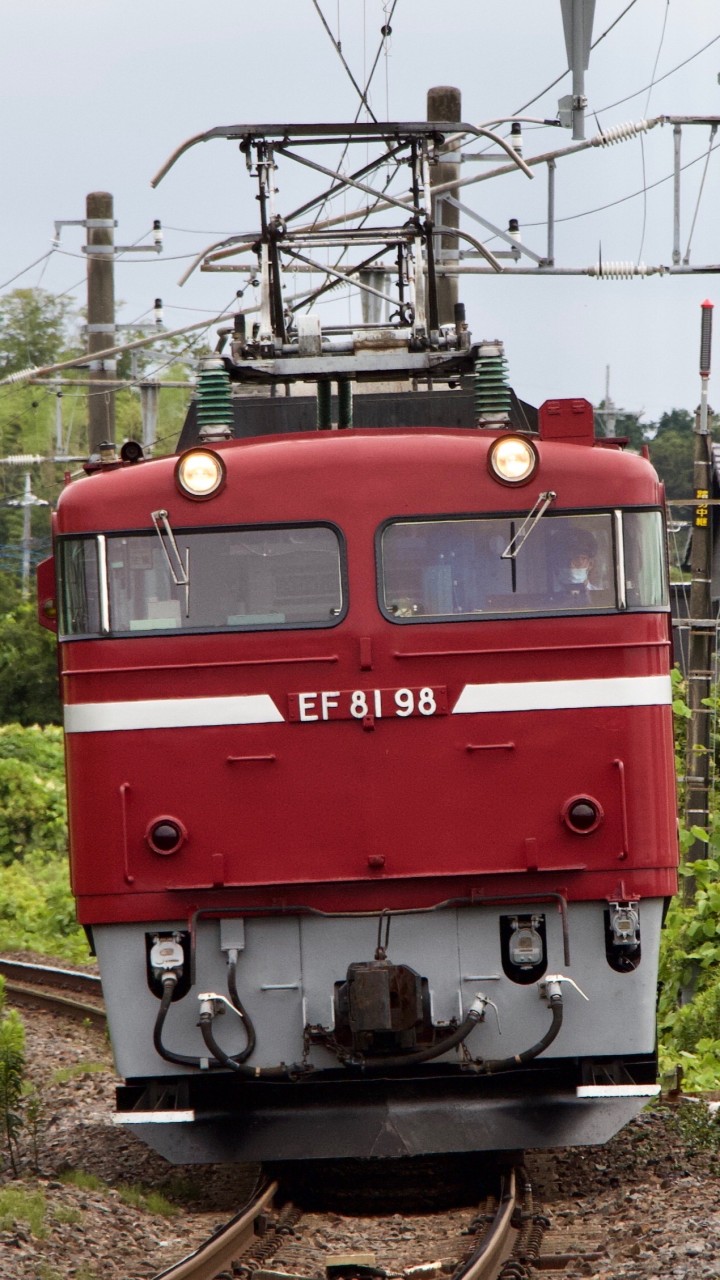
[[169, 982], [283, 1072], [423, 1055], [503, 1064], [247, 1023]]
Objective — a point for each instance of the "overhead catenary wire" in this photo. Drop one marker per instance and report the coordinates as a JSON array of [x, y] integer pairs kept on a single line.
[[586, 213], [713, 131], [43, 257], [660, 79], [366, 91], [338, 49], [594, 45], [642, 140]]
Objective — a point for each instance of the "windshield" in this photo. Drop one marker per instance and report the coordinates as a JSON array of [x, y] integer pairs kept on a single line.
[[238, 578], [454, 567]]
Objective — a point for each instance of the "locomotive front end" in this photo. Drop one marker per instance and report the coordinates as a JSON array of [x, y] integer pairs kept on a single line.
[[371, 786]]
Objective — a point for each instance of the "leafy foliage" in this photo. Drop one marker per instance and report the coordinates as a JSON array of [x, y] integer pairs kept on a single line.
[[33, 329], [32, 793], [36, 908], [671, 453], [689, 1003], [28, 669], [12, 1075]]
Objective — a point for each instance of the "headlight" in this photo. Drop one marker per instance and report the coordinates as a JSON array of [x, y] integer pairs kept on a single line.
[[200, 473], [513, 459]]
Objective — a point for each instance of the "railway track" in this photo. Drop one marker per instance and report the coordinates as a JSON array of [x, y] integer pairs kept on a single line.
[[506, 1239], [68, 991]]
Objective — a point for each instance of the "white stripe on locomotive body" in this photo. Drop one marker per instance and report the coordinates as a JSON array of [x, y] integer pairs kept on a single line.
[[535, 695], [170, 713], [563, 695]]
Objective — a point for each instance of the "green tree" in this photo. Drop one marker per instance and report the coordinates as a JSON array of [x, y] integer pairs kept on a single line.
[[34, 329], [671, 452], [28, 669], [678, 420]]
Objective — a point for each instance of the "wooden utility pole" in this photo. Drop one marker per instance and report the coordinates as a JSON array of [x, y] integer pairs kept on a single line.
[[100, 250], [444, 103], [702, 625]]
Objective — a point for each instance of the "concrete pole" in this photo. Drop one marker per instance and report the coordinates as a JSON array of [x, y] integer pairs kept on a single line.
[[149, 406], [702, 628], [26, 535], [610, 418], [445, 103], [101, 314]]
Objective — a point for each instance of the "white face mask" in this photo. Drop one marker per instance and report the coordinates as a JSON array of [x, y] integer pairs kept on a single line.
[[579, 573]]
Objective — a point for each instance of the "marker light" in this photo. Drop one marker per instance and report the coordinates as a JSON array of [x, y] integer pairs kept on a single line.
[[200, 473], [513, 459], [166, 835], [582, 814]]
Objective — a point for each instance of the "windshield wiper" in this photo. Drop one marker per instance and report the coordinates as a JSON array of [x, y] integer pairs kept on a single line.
[[179, 572], [528, 524]]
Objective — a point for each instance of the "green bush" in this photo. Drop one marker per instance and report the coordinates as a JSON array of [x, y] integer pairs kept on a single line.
[[12, 1075], [37, 912], [32, 792]]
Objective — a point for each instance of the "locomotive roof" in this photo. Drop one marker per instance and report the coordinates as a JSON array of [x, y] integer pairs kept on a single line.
[[327, 475]]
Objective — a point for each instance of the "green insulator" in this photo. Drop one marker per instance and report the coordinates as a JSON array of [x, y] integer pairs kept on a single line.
[[213, 400], [492, 391], [345, 402], [324, 406]]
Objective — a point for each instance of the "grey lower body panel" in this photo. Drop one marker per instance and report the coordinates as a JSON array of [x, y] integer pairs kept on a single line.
[[384, 1128]]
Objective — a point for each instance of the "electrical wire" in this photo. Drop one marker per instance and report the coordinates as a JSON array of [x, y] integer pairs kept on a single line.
[[660, 79], [571, 217], [642, 140], [385, 34], [24, 271], [338, 49], [594, 45], [196, 231], [713, 131]]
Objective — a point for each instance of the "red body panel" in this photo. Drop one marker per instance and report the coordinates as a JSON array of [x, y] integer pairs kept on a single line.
[[350, 814]]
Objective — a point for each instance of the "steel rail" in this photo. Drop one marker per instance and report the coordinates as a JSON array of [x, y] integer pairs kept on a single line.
[[484, 1261], [28, 984], [217, 1253], [53, 1002], [50, 976]]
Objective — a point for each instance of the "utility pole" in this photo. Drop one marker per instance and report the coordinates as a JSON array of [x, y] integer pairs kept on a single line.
[[702, 626], [609, 412], [100, 250], [610, 418], [444, 103]]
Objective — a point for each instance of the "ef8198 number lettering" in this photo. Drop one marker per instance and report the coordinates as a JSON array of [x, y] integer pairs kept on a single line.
[[359, 704]]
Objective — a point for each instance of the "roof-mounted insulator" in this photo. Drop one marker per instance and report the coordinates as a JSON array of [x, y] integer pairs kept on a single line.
[[619, 133], [213, 401], [492, 392], [620, 270]]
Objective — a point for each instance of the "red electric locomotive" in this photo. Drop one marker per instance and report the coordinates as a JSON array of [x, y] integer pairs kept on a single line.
[[369, 751]]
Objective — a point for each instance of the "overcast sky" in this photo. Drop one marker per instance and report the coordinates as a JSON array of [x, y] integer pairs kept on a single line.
[[95, 94]]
